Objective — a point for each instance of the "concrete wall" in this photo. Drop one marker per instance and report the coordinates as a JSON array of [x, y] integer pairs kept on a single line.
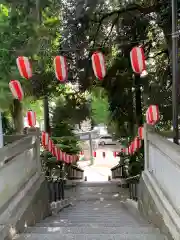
[[24, 197], [159, 195], [149, 209], [30, 209]]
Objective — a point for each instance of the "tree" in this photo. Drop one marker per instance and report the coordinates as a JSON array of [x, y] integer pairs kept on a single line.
[[72, 106], [99, 106], [114, 28], [23, 35]]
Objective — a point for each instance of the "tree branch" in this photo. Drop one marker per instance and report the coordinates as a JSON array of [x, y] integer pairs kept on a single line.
[[112, 26], [129, 8]]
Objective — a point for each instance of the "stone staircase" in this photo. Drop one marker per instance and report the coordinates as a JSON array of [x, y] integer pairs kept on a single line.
[[96, 213]]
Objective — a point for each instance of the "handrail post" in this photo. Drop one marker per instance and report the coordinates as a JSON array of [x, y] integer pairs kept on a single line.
[[35, 132]]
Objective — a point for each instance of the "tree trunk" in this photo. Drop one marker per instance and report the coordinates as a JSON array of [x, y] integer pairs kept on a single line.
[[17, 115]]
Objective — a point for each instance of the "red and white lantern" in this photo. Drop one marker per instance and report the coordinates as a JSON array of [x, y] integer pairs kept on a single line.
[[138, 60], [44, 139], [76, 158], [65, 158], [57, 153], [61, 70], [53, 150], [94, 154], [31, 118], [152, 114], [50, 145], [98, 65], [131, 148], [141, 132], [16, 89], [71, 158], [24, 67], [137, 143], [68, 158]]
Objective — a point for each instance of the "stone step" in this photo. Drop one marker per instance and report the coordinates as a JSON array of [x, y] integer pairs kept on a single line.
[[59, 223], [92, 230], [53, 236], [67, 222]]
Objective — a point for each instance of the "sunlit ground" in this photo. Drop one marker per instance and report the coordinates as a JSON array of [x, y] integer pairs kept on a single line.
[[100, 170]]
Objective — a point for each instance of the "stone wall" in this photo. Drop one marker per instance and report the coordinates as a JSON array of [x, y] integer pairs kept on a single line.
[[149, 210], [32, 208]]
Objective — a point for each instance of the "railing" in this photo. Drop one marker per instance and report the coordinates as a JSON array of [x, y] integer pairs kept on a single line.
[[56, 189], [19, 168], [75, 173], [118, 171], [133, 186], [7, 139]]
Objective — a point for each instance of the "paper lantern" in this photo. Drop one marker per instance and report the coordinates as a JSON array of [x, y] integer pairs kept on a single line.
[[114, 154], [152, 114], [50, 145], [31, 118], [138, 60], [60, 155], [94, 154], [16, 89], [24, 67], [131, 148], [63, 154], [68, 158], [60, 66], [53, 150], [44, 139], [98, 65], [137, 143], [141, 132], [57, 153], [65, 158]]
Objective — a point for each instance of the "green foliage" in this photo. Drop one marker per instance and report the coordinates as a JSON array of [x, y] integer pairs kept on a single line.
[[72, 106], [64, 137], [115, 28], [99, 107]]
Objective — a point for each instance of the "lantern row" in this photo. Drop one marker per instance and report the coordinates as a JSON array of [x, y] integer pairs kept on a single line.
[[138, 64], [61, 71], [115, 154], [137, 58], [152, 118], [49, 145]]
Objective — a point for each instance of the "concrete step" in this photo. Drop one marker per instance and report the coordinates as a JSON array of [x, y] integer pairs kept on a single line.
[[53, 236], [92, 230], [60, 223], [67, 222]]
